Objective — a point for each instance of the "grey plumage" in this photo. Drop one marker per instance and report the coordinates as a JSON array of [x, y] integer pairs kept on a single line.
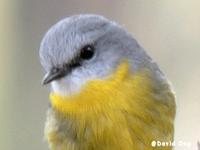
[[112, 43]]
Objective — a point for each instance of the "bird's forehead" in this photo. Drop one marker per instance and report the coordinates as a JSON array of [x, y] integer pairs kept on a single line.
[[65, 38], [76, 27]]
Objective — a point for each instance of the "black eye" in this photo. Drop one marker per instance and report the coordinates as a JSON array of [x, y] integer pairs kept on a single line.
[[87, 52]]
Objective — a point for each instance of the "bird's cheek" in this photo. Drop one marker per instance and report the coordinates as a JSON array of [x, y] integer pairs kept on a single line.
[[57, 86], [66, 86]]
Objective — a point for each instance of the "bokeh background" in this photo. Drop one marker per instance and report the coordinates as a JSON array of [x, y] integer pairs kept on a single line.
[[168, 29]]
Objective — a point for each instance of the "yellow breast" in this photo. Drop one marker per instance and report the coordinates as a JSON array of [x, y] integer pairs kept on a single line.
[[126, 111]]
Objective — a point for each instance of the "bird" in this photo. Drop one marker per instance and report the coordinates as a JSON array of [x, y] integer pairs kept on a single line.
[[106, 92]]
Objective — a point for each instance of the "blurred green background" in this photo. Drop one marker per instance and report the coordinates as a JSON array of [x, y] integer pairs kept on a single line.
[[168, 29]]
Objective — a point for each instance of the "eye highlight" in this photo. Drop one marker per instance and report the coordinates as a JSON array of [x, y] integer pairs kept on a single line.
[[87, 52]]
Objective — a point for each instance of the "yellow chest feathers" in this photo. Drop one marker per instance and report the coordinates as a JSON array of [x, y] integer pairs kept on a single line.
[[123, 112]]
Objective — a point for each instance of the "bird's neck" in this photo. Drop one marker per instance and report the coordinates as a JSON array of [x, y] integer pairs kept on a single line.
[[123, 106]]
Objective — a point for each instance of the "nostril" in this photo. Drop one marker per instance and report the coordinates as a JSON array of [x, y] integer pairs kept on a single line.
[[55, 69]]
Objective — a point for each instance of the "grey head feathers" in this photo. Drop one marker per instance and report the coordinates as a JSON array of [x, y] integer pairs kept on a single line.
[[63, 43]]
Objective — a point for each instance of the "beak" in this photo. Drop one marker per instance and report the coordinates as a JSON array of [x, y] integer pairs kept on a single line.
[[54, 74]]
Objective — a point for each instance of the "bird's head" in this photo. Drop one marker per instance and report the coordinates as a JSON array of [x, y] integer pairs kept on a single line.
[[84, 47]]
